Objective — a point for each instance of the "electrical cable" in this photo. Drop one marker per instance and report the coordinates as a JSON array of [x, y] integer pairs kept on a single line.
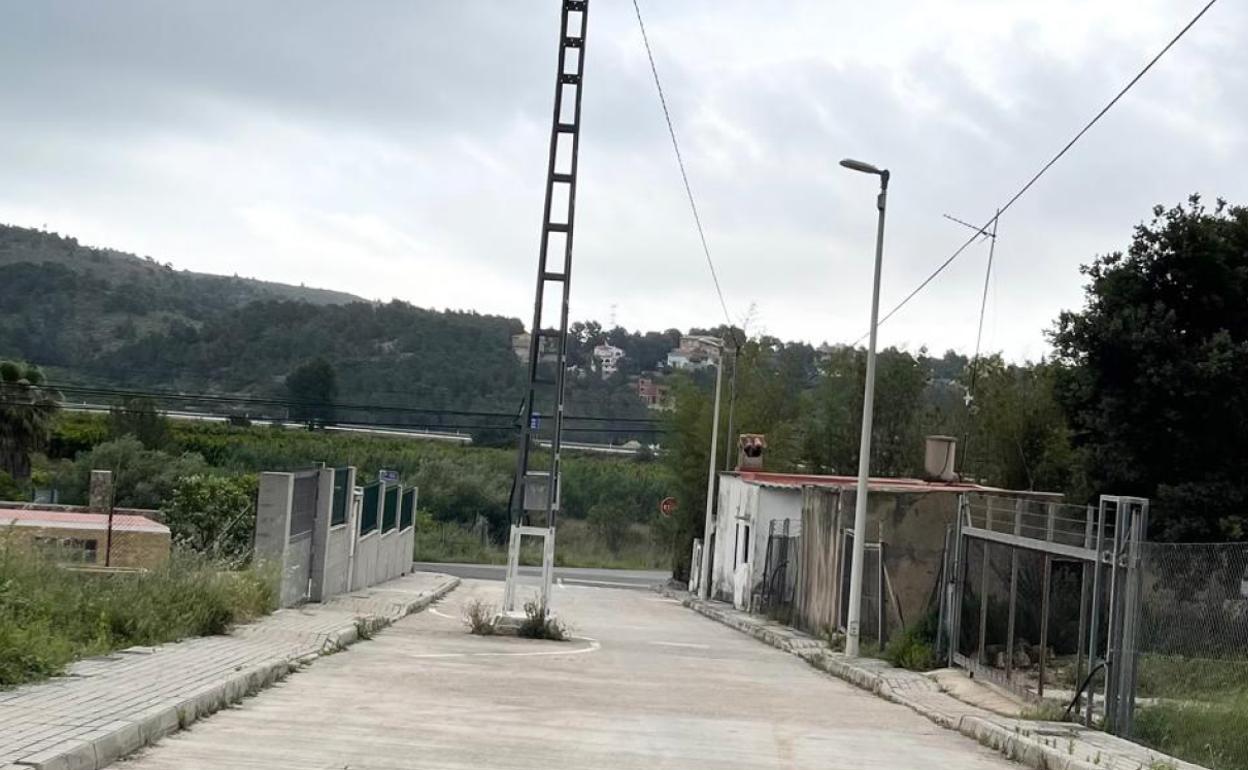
[[1044, 169]]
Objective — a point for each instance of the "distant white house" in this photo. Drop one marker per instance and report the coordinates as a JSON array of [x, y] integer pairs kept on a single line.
[[695, 352], [608, 358]]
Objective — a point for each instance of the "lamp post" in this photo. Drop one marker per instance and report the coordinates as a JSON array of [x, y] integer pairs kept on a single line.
[[704, 582], [853, 632]]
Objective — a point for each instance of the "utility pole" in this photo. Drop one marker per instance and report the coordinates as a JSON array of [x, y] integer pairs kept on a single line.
[[704, 586], [536, 487]]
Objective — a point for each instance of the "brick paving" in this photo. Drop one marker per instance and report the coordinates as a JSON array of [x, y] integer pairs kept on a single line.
[[106, 707], [1045, 745]]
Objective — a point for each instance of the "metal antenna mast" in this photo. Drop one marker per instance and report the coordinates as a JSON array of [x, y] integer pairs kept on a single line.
[[536, 489]]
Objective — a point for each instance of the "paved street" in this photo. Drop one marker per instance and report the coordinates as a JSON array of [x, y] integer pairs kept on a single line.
[[647, 684], [608, 578]]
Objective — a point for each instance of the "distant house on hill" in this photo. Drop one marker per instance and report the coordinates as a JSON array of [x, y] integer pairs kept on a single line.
[[654, 394], [695, 352], [608, 358]]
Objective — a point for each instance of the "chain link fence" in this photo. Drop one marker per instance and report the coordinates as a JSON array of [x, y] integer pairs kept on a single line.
[[1192, 691]]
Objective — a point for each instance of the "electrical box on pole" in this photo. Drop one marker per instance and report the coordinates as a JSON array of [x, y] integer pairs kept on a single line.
[[535, 494]]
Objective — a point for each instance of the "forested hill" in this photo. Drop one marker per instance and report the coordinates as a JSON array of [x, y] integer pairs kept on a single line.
[[105, 317], [147, 279]]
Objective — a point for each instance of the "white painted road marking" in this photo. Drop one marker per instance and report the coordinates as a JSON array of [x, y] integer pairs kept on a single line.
[[594, 646], [684, 644], [434, 611]]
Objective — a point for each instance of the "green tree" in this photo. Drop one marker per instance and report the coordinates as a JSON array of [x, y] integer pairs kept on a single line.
[[313, 386], [138, 417], [27, 408], [610, 520], [142, 478], [1019, 438], [214, 515], [1156, 363]]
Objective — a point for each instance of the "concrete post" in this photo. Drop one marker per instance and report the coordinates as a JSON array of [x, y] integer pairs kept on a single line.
[[273, 502], [320, 533]]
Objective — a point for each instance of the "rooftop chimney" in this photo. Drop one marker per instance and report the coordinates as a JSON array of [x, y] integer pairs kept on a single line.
[[750, 450], [938, 458]]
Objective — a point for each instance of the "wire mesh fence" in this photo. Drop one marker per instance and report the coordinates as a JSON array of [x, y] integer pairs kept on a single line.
[[1194, 621]]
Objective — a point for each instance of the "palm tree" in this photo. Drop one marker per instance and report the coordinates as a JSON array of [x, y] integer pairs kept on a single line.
[[27, 406]]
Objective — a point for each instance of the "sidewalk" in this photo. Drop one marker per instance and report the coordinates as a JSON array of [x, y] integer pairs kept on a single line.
[[1041, 745], [107, 707]]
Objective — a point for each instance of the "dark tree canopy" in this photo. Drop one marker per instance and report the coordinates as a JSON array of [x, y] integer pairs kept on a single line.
[[1156, 370], [312, 388]]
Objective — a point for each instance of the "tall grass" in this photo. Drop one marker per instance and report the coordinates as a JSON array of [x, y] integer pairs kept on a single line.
[[1213, 734], [577, 544], [50, 616]]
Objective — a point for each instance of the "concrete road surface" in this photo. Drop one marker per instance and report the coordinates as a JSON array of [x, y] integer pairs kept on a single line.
[[607, 578], [646, 684]]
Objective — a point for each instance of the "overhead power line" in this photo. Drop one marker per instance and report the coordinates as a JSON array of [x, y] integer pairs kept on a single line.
[[288, 403], [1044, 169], [684, 175]]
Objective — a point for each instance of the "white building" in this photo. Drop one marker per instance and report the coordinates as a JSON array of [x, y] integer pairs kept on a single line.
[[695, 352], [608, 358]]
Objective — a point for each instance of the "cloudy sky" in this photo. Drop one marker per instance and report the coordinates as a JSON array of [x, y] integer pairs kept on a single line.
[[398, 149]]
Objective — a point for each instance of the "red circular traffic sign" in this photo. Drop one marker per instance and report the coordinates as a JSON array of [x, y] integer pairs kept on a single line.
[[668, 506]]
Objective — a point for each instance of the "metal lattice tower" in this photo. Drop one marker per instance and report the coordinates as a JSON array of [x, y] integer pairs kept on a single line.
[[536, 489]]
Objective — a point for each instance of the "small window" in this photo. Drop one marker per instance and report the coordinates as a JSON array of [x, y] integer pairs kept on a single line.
[[745, 538]]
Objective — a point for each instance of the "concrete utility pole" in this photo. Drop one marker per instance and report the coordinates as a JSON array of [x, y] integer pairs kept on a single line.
[[854, 630], [704, 585]]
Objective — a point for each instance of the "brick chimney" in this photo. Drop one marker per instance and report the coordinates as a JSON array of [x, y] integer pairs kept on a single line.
[[750, 450]]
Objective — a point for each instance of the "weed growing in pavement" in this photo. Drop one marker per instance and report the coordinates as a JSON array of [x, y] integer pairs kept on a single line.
[[538, 623], [479, 616]]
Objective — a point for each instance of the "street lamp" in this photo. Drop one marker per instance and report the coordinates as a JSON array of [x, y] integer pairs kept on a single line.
[[868, 402], [704, 581]]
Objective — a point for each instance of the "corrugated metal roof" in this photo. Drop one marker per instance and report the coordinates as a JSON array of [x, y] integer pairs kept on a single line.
[[76, 520]]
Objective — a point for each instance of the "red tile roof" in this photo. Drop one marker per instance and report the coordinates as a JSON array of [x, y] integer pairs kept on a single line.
[[763, 478], [76, 520]]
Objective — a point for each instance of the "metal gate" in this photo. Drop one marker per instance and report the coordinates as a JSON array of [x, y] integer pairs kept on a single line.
[[1101, 545], [780, 565]]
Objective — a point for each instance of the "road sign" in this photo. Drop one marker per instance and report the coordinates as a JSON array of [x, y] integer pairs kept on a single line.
[[668, 506], [388, 477]]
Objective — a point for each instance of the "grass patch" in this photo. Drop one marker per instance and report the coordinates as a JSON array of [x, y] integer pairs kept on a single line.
[[538, 623], [50, 616], [1044, 711], [1213, 734], [1182, 678]]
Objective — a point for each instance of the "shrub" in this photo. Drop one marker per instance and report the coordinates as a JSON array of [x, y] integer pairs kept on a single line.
[[538, 623], [479, 616], [914, 648], [213, 515]]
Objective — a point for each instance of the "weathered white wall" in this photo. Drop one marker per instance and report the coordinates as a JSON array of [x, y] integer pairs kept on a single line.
[[738, 567]]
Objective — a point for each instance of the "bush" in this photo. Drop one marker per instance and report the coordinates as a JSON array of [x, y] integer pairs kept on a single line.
[[914, 648], [50, 616], [538, 624], [213, 515], [479, 615]]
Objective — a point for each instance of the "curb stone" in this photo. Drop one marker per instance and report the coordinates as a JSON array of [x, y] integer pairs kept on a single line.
[[1019, 744], [115, 740]]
